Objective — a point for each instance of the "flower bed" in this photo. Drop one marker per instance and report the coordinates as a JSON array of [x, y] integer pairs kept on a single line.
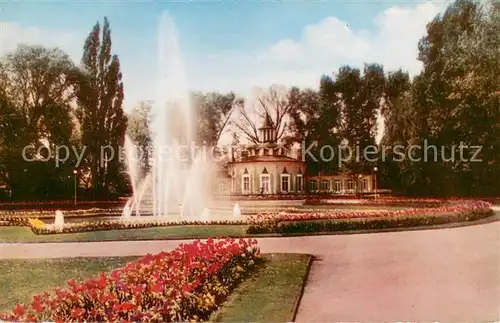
[[188, 283], [383, 201], [51, 213], [271, 222], [377, 224], [117, 225]]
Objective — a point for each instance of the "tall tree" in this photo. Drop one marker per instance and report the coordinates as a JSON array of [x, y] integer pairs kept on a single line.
[[399, 126], [215, 111], [360, 99], [314, 121], [273, 103], [434, 100], [100, 97], [36, 91], [474, 62]]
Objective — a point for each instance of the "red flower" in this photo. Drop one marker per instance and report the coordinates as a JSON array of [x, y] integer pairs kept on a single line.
[[127, 306], [102, 281], [37, 306], [19, 310], [157, 288], [77, 312]]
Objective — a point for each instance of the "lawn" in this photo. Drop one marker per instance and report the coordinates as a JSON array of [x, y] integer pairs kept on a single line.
[[24, 234], [270, 294], [21, 279]]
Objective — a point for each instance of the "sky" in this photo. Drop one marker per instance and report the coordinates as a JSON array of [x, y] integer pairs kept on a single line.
[[230, 45]]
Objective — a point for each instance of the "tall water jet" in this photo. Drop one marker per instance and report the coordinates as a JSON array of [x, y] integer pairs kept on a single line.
[[178, 183], [133, 170], [236, 210], [59, 221]]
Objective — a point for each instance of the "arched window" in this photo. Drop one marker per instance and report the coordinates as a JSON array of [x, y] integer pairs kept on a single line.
[[265, 182], [245, 182]]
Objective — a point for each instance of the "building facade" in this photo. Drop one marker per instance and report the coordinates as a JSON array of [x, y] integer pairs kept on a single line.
[[267, 168], [270, 168]]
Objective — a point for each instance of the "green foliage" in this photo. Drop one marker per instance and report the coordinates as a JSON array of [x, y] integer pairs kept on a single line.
[[35, 96], [99, 92], [139, 131], [454, 100], [214, 115]]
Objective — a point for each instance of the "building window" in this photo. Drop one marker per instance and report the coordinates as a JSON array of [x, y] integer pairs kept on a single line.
[[350, 185], [313, 185], [265, 183], [364, 185], [338, 186], [245, 184], [299, 183], [222, 188], [285, 183], [325, 185]]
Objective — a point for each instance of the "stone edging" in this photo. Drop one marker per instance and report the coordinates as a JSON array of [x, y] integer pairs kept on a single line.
[[302, 288]]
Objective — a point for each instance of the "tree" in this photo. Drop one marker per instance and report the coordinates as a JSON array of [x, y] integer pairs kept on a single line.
[[454, 101], [474, 60], [36, 92], [359, 97], [139, 131], [100, 97], [314, 121], [397, 112], [274, 103], [215, 111], [446, 122]]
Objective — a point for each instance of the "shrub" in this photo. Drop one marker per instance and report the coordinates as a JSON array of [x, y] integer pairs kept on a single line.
[[188, 283]]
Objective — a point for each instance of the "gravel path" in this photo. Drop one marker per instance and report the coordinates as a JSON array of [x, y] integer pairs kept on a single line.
[[446, 275]]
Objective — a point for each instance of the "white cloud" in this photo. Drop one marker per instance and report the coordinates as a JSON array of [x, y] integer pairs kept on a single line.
[[322, 48], [12, 34]]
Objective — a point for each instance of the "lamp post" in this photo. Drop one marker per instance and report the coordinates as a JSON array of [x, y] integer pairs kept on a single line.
[[375, 169], [75, 172]]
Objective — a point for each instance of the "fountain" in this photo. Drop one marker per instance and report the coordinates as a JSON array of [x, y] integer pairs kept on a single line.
[[205, 215], [178, 187], [127, 210], [59, 221], [236, 210]]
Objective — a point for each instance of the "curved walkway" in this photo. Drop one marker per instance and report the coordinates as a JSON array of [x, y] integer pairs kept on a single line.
[[446, 275]]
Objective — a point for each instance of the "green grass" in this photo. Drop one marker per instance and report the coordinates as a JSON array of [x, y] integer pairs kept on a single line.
[[22, 279], [24, 234], [270, 295]]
